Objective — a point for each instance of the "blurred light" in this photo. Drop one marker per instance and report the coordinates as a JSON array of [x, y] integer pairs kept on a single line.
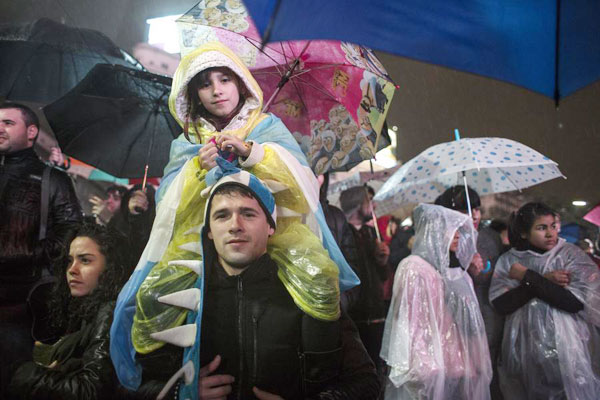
[[579, 203], [407, 222], [163, 33]]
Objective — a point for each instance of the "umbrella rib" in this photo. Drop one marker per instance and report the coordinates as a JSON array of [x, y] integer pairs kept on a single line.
[[326, 93], [510, 180], [299, 95]]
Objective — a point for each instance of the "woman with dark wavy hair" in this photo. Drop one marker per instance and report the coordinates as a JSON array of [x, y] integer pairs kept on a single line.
[[78, 365]]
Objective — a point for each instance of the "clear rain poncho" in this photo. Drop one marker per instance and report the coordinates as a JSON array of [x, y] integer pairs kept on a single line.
[[546, 352], [434, 338]]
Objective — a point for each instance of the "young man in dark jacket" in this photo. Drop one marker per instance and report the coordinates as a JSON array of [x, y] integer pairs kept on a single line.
[[38, 208], [255, 342]]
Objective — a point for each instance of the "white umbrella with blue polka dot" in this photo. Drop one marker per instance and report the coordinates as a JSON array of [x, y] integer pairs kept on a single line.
[[491, 165]]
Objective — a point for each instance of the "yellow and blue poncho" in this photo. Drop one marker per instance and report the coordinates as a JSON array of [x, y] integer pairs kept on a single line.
[[312, 266]]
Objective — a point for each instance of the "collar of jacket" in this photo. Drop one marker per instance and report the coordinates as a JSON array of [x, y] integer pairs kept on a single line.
[[263, 268], [19, 156]]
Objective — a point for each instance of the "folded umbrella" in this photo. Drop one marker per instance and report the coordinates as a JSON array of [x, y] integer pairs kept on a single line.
[[117, 119]]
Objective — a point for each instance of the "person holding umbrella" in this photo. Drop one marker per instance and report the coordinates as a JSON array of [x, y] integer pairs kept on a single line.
[[549, 291], [219, 105]]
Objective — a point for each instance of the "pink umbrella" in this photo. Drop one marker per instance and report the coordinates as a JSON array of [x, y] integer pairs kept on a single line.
[[593, 215], [333, 96]]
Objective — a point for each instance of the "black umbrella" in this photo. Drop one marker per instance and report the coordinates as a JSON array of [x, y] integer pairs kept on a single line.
[[116, 119], [42, 61]]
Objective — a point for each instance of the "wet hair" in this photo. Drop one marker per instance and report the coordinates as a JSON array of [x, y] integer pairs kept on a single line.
[[29, 117], [68, 312], [521, 222], [454, 198], [196, 110]]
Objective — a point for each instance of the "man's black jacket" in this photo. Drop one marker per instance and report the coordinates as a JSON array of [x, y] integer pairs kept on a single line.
[[22, 255], [265, 340]]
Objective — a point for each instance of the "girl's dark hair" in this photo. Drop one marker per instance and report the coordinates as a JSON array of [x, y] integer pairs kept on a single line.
[[521, 222], [68, 312], [454, 198], [196, 110]]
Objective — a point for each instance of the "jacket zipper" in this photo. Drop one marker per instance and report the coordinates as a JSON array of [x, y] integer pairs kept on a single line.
[[240, 337], [255, 352]]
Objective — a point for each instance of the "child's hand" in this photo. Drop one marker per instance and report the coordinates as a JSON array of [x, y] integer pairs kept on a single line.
[[208, 154], [234, 145], [560, 277]]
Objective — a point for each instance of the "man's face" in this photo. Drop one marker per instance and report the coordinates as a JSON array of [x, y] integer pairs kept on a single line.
[[239, 230], [14, 135]]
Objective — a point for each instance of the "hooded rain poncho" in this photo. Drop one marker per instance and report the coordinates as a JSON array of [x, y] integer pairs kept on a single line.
[[434, 338]]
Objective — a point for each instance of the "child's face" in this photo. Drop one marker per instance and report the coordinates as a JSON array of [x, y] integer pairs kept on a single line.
[[219, 94], [544, 233]]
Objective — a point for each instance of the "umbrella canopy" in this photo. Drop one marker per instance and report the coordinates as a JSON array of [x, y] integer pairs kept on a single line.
[[333, 96], [42, 61], [491, 165], [340, 181], [549, 47], [593, 215], [117, 119]]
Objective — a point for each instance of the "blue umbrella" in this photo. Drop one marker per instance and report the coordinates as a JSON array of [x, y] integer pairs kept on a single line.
[[549, 47]]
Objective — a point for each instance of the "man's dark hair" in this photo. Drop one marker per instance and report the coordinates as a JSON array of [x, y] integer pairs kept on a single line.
[[521, 222], [29, 117], [454, 198]]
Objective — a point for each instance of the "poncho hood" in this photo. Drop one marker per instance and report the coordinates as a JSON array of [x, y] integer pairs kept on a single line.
[[212, 55], [434, 230]]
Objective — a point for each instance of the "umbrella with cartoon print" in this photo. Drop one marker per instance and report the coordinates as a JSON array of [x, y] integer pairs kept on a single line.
[[333, 96], [489, 165]]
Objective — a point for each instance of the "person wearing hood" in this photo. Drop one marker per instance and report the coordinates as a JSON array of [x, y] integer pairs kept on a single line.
[[549, 291], [434, 339], [219, 105]]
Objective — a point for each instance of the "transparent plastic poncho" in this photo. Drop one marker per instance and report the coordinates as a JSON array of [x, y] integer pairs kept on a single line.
[[434, 339], [548, 353]]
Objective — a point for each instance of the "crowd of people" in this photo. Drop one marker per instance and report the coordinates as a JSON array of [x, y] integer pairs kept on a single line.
[[237, 279]]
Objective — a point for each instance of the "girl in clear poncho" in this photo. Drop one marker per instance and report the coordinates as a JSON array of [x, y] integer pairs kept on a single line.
[[550, 291], [434, 339], [219, 105]]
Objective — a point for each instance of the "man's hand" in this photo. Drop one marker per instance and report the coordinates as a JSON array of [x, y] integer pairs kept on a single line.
[[262, 395], [234, 144], [476, 265], [208, 154], [560, 277], [138, 202], [213, 386], [517, 271], [382, 252]]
